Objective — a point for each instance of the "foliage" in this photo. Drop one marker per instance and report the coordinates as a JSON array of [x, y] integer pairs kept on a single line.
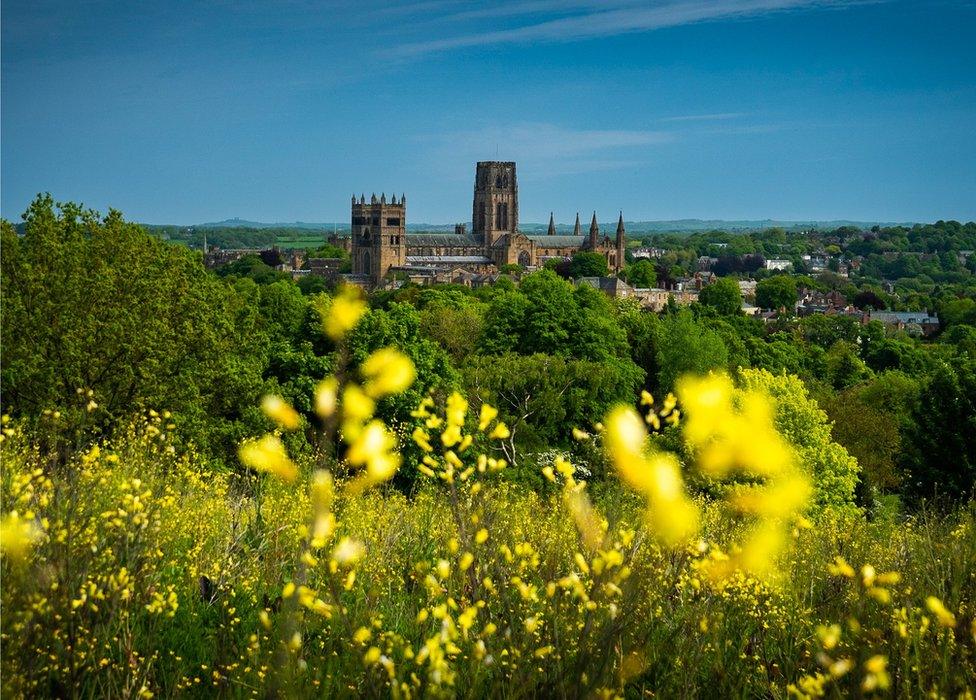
[[871, 435], [778, 292], [253, 267], [329, 251], [844, 367], [203, 583], [939, 458], [543, 397], [687, 347], [102, 320], [547, 315], [723, 295], [641, 274], [586, 264]]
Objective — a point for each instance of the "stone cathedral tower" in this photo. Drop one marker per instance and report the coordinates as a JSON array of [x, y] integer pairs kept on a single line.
[[495, 212], [379, 235]]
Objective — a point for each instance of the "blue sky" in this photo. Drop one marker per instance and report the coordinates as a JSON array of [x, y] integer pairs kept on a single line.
[[184, 112]]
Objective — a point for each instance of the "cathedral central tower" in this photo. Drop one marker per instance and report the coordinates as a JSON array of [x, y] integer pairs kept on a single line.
[[495, 211]]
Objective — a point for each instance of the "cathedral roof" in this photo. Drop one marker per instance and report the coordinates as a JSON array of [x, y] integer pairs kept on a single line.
[[547, 241], [447, 259], [453, 240]]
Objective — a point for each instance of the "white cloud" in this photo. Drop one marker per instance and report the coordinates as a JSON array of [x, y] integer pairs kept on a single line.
[[621, 18], [721, 116], [546, 148]]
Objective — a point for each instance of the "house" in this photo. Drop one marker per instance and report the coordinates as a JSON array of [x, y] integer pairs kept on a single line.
[[914, 322], [747, 287], [611, 286], [656, 299], [648, 253]]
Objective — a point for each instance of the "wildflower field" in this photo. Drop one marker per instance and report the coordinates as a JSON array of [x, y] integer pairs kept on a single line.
[[720, 557]]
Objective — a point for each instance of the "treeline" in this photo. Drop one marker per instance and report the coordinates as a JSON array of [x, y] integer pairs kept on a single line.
[[237, 237], [102, 321], [939, 237]]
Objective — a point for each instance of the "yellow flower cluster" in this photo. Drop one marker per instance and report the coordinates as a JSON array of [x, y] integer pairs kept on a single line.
[[671, 514], [344, 313], [733, 433], [449, 430]]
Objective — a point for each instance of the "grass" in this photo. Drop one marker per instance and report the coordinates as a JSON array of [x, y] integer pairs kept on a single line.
[[149, 575]]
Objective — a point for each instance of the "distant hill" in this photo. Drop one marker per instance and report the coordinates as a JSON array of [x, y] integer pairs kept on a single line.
[[633, 227], [244, 223]]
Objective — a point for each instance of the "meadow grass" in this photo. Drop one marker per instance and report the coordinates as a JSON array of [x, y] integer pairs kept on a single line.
[[149, 575]]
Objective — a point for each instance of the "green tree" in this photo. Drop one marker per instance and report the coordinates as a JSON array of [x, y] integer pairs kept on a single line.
[[95, 304], [778, 292], [723, 295], [687, 347], [870, 434], [457, 330], [586, 264], [825, 331], [312, 284], [958, 311], [844, 367], [939, 455], [543, 397], [548, 315], [642, 274], [253, 267], [961, 336]]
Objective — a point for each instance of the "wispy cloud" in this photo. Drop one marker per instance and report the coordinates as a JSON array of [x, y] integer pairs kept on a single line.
[[546, 148], [588, 20], [721, 116]]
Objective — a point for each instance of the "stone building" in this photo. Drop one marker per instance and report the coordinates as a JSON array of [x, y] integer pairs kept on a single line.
[[379, 235], [381, 247]]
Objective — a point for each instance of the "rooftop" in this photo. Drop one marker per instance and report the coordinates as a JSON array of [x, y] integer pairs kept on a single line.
[[447, 259], [453, 240], [546, 241]]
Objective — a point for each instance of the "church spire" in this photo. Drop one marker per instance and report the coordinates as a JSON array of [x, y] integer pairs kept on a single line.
[[619, 253], [552, 225], [576, 229], [594, 232]]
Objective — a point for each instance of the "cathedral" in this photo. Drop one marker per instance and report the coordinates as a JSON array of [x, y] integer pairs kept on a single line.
[[381, 246]]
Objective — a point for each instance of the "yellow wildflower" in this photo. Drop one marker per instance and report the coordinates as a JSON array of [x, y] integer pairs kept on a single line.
[[487, 415], [326, 397], [387, 371], [877, 677], [268, 455], [372, 448], [344, 313], [323, 522], [944, 616], [357, 408], [16, 536], [671, 513], [500, 432], [348, 552], [278, 410], [840, 567]]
